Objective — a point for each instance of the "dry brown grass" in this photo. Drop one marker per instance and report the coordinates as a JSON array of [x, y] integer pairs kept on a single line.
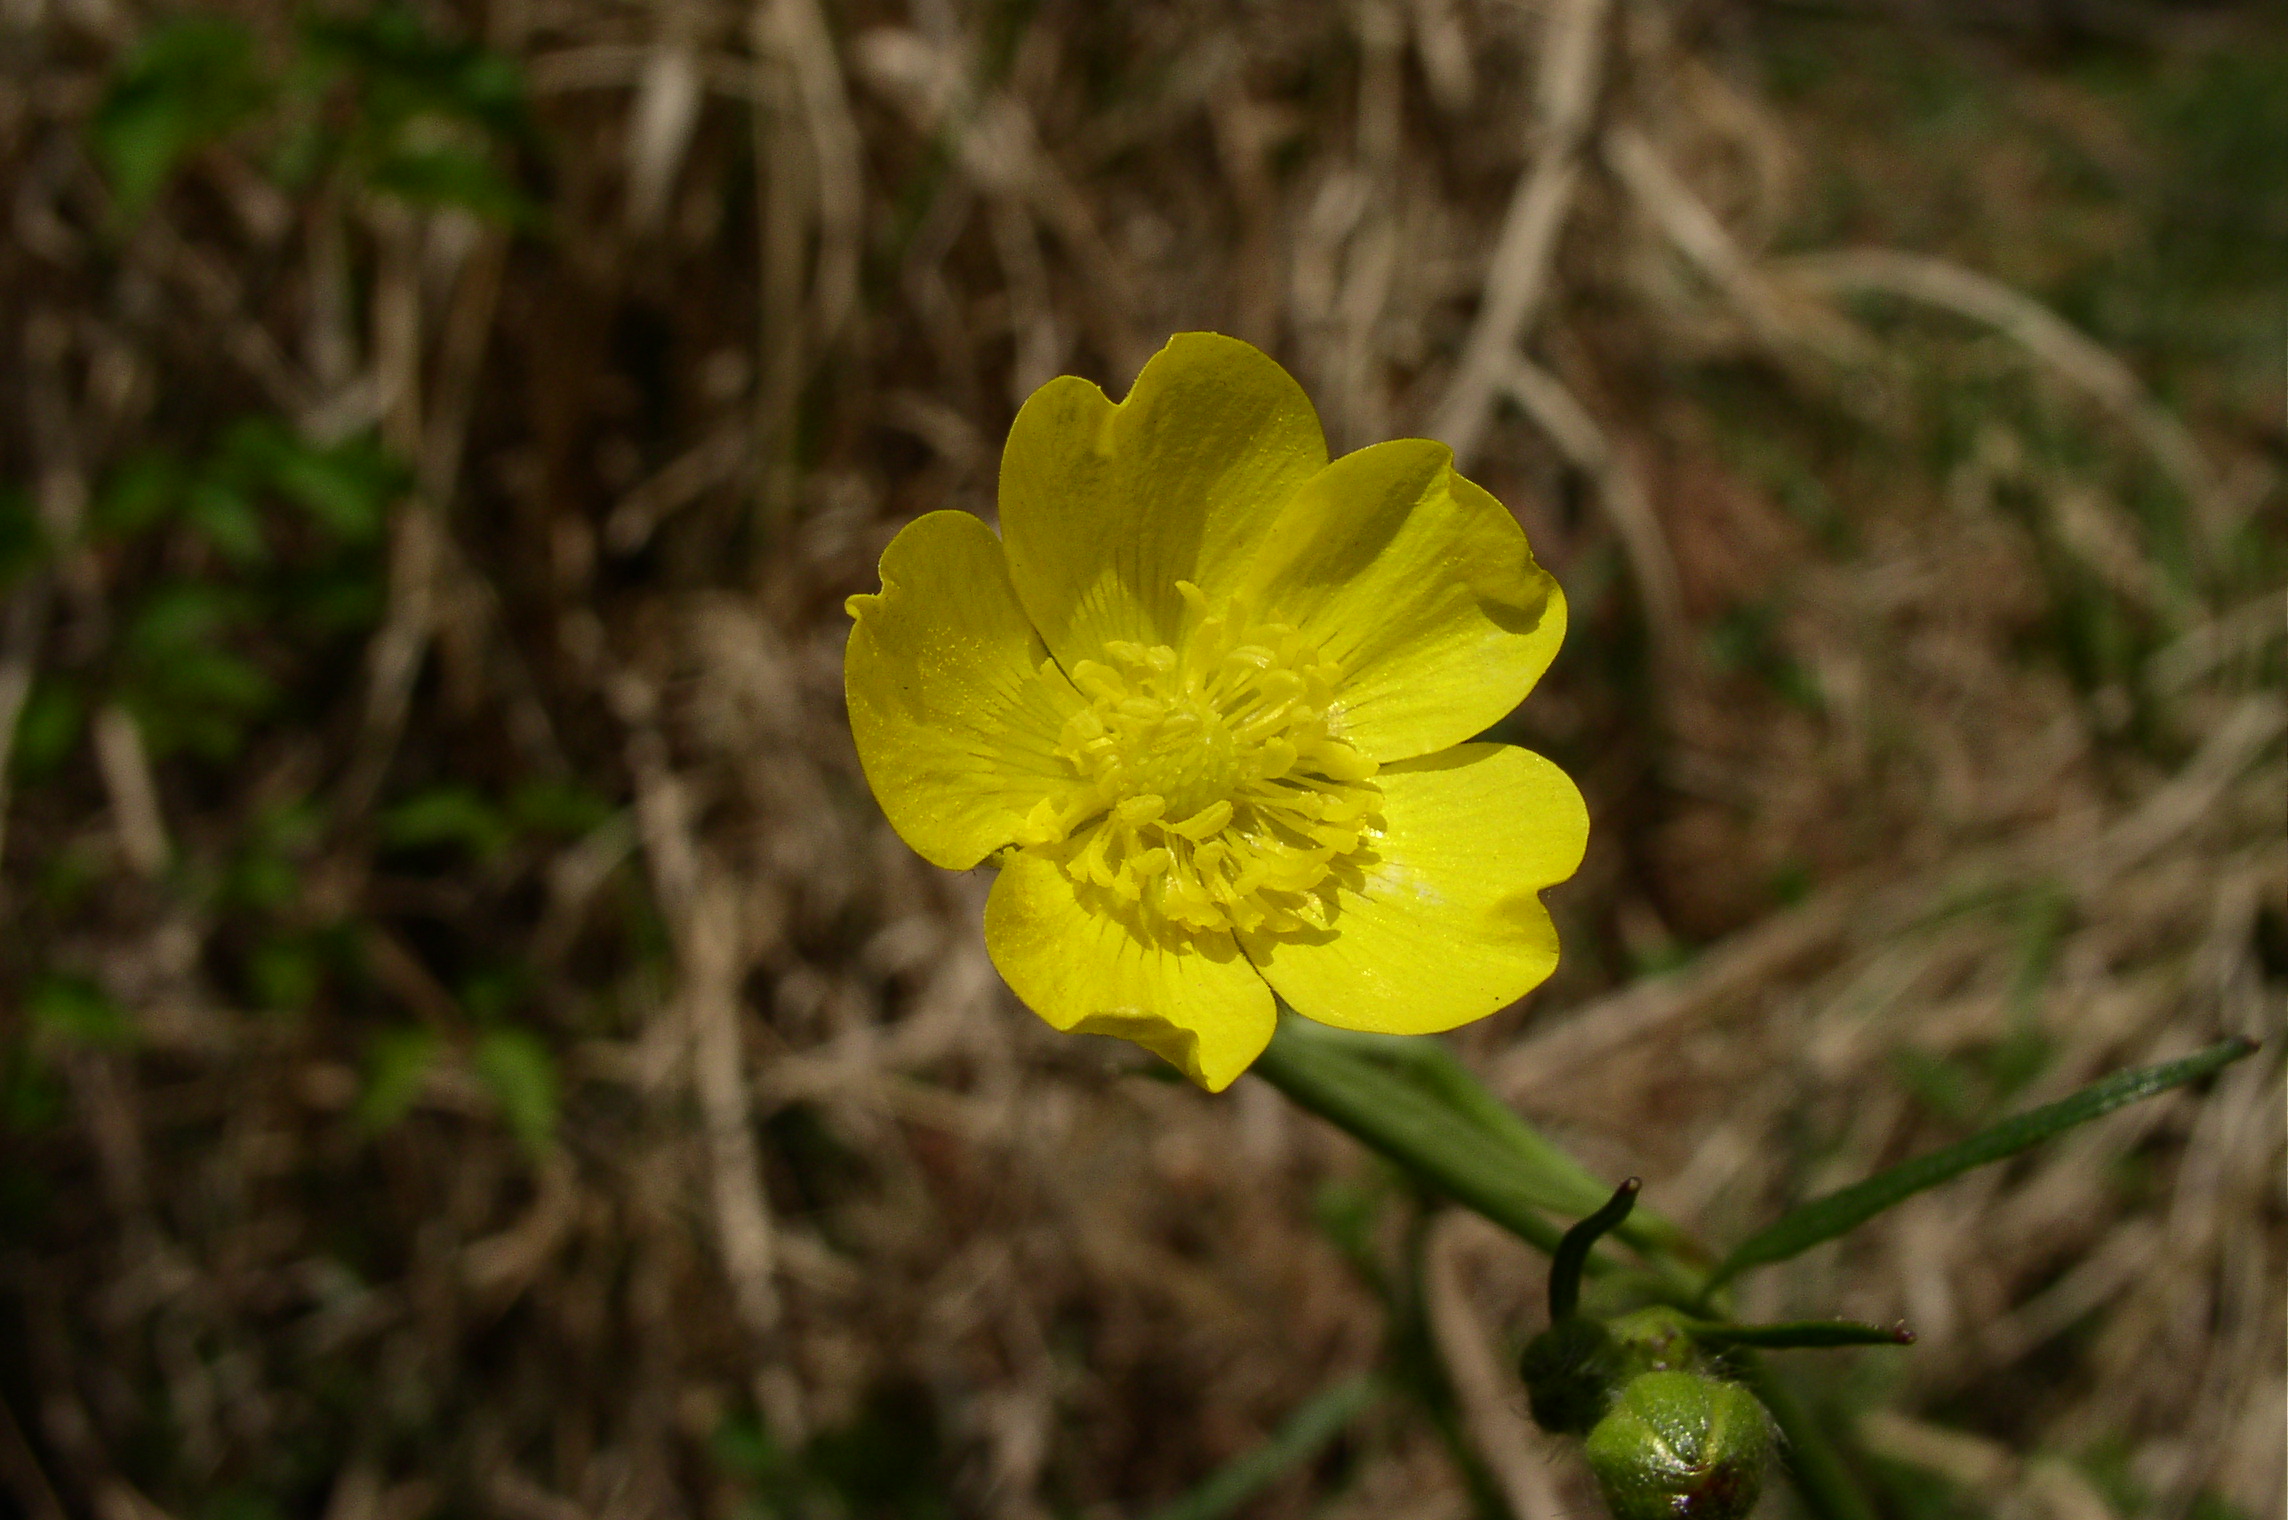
[[812, 1164]]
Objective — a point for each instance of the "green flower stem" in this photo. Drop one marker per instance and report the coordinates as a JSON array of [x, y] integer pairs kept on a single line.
[[1412, 1101], [1829, 1491], [1445, 1149], [1570, 1187], [1435, 1121], [1409, 1127]]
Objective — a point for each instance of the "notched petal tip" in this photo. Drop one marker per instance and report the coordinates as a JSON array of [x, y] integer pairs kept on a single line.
[[1106, 505]]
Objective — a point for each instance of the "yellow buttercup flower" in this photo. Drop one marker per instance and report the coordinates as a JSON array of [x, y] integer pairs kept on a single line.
[[1205, 701]]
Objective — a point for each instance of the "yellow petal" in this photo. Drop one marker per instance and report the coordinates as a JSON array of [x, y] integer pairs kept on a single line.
[[1106, 507], [1192, 1000], [1420, 587], [1442, 923], [954, 719]]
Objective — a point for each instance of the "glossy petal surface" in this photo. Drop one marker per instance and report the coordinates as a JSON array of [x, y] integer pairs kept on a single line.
[[1106, 507], [1204, 703], [1420, 586], [1442, 923], [954, 719], [1193, 1000]]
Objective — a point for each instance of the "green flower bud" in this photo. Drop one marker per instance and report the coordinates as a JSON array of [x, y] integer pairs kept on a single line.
[[1656, 1340], [1681, 1446], [1570, 1370]]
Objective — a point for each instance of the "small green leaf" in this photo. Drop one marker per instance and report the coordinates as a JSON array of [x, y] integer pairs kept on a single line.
[[191, 693], [190, 82], [23, 542], [522, 1076], [138, 492], [494, 992], [30, 1097], [1824, 1219], [405, 69], [285, 974], [199, 701], [447, 815], [228, 521], [74, 1009], [341, 598], [452, 176], [396, 1064], [346, 489], [268, 867], [564, 809], [48, 728], [185, 616]]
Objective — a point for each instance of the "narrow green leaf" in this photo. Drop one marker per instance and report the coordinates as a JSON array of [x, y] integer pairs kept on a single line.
[[1825, 1218], [1306, 1432], [1809, 1334], [453, 177]]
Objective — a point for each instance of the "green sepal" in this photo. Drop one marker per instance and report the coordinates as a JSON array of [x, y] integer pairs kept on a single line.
[[1572, 1253], [1571, 1371]]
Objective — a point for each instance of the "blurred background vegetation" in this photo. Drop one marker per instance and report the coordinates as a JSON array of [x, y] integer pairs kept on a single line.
[[470, 1046]]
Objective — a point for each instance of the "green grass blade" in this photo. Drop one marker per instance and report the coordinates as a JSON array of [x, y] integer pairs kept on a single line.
[[1838, 1213], [1318, 1420]]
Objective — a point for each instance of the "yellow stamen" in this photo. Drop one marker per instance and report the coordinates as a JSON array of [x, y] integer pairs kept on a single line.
[[1208, 787]]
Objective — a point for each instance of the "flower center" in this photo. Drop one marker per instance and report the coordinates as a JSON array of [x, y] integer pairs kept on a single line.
[[1207, 790]]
